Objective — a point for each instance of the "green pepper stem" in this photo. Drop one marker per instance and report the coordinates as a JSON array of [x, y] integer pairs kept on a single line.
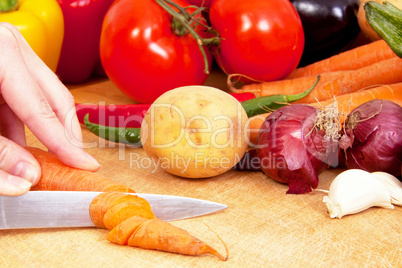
[[8, 5], [296, 97], [269, 103], [181, 25]]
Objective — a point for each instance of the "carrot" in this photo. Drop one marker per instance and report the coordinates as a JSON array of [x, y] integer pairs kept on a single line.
[[254, 124], [122, 232], [159, 235], [100, 205], [123, 211], [347, 102], [131, 222], [57, 176], [353, 59], [333, 83]]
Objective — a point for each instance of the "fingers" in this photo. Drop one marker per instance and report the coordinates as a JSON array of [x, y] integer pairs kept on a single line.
[[11, 126], [58, 96], [43, 110], [17, 164], [12, 185]]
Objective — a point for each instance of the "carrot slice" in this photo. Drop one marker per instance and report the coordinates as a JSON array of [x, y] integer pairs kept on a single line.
[[106, 201], [122, 232], [125, 210]]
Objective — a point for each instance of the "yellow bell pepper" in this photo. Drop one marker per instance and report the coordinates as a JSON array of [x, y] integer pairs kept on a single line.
[[41, 23]]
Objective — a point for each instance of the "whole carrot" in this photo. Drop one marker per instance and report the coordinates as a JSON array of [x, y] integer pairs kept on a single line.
[[57, 176], [333, 83], [353, 59], [347, 102]]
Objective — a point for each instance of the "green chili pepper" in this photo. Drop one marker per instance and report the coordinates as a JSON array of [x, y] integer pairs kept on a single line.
[[116, 134], [386, 21], [267, 104]]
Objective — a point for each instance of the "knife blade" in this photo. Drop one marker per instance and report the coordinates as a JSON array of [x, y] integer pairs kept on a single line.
[[55, 209]]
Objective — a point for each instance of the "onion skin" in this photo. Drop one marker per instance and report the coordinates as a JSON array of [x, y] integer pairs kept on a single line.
[[292, 151], [373, 137]]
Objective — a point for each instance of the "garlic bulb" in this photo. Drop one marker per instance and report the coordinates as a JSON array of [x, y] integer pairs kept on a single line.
[[392, 184], [353, 191]]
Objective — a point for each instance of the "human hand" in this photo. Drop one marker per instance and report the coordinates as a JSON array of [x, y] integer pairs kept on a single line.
[[32, 95]]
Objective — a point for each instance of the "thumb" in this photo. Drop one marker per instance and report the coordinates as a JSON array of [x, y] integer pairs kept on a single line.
[[17, 161], [13, 185]]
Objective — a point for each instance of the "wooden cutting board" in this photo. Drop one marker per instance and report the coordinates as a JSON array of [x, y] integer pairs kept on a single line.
[[263, 226]]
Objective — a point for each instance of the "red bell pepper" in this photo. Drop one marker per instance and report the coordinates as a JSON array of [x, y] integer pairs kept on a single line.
[[79, 57]]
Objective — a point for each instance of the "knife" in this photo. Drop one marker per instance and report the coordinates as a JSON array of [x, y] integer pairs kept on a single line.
[[51, 209]]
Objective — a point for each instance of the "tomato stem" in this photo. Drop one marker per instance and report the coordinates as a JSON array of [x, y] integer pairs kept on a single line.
[[182, 25]]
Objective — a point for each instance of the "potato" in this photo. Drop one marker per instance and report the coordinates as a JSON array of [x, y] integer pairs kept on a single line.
[[195, 131], [364, 25]]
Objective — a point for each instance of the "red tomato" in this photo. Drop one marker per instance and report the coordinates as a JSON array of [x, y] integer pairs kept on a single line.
[[263, 40], [201, 3], [142, 56]]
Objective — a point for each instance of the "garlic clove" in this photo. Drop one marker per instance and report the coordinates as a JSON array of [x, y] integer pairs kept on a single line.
[[392, 184], [353, 191]]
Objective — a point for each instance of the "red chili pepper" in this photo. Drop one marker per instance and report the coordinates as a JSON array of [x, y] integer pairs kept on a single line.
[[79, 57], [243, 96], [127, 115]]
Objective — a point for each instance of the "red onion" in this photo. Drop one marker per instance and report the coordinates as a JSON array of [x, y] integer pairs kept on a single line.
[[294, 147], [373, 137]]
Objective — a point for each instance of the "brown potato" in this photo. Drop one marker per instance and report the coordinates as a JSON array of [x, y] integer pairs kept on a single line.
[[195, 131]]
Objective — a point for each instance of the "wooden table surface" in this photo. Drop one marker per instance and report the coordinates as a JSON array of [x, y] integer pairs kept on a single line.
[[263, 226]]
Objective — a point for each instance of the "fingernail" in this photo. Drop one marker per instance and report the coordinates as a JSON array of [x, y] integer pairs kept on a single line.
[[93, 160], [20, 183], [26, 171]]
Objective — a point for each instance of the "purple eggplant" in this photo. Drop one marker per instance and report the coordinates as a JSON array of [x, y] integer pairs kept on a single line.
[[330, 26]]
